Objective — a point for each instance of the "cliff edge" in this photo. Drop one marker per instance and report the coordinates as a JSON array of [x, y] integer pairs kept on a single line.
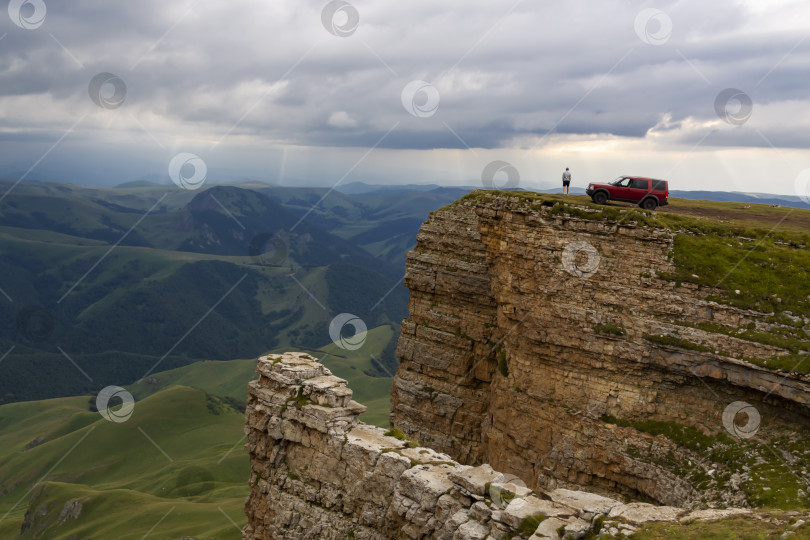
[[318, 473], [599, 348]]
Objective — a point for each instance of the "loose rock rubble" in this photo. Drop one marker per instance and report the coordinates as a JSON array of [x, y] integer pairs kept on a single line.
[[317, 472]]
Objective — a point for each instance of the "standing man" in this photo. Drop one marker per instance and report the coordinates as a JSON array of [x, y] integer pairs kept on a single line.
[[566, 181]]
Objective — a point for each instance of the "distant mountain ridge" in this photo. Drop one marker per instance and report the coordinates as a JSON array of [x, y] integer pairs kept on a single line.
[[93, 280], [360, 188], [137, 184], [736, 196]]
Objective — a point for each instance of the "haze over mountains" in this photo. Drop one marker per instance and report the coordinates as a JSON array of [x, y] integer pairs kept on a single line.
[[104, 286], [360, 188]]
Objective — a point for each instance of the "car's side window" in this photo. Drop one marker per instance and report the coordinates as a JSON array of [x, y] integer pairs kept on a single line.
[[637, 183], [624, 182]]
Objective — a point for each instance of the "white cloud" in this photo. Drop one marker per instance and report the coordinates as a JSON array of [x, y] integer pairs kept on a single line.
[[341, 119]]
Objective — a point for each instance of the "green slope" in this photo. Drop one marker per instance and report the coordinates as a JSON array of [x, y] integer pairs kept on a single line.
[[226, 379], [176, 464], [127, 514], [181, 448], [118, 308], [229, 379]]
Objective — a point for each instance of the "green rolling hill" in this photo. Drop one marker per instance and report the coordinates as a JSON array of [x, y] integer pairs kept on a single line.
[[121, 294], [229, 379], [179, 459], [178, 456]]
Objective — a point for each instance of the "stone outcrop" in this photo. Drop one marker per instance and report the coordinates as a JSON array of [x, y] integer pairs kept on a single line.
[[318, 473], [537, 339]]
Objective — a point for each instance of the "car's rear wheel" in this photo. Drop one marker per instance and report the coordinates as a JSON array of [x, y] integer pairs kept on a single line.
[[600, 197], [649, 204]]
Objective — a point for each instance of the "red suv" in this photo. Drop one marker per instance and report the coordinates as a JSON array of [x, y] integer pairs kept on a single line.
[[648, 193]]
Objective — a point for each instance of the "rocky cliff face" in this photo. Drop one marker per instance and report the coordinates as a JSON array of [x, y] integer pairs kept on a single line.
[[317, 473], [550, 346]]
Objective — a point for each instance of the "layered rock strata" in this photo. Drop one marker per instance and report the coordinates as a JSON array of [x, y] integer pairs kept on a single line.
[[318, 473], [536, 338]]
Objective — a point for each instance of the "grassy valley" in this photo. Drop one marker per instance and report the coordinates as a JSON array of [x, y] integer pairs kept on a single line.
[[57, 451], [178, 459]]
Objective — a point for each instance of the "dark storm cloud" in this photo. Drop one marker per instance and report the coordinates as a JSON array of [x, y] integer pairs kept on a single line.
[[773, 138], [270, 70]]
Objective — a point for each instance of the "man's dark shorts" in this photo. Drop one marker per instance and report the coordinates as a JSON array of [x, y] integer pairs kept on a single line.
[[566, 184]]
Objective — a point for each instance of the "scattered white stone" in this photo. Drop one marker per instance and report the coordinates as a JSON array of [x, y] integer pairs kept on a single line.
[[481, 511], [475, 479], [71, 510], [548, 529], [583, 501], [577, 528], [472, 530], [509, 489], [643, 512], [521, 508]]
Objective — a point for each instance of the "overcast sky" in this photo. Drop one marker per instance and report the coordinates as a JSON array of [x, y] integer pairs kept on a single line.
[[710, 95]]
